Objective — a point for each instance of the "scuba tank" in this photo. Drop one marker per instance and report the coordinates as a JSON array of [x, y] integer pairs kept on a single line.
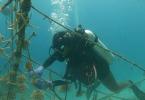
[[100, 47]]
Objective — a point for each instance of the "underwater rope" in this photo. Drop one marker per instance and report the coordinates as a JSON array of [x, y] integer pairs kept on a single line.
[[107, 95], [112, 95], [51, 19], [116, 54], [40, 64], [123, 58], [59, 98], [66, 92], [56, 94]]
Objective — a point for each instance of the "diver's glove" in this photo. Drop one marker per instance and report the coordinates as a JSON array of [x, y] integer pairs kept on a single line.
[[37, 72], [42, 84]]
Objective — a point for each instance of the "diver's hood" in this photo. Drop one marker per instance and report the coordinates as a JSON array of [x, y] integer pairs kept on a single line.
[[60, 39]]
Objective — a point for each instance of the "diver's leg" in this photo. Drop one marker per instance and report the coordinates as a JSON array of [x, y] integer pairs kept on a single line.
[[110, 82], [107, 78]]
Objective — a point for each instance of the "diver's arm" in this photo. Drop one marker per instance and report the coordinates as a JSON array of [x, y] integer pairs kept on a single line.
[[57, 55], [50, 60], [39, 70]]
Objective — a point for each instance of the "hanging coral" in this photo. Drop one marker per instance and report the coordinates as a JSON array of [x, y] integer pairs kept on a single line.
[[21, 83], [21, 78], [21, 87], [37, 95]]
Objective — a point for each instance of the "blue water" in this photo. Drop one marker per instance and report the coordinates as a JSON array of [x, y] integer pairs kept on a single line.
[[120, 24]]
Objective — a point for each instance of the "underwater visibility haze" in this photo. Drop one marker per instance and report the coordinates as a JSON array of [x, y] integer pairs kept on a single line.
[[27, 28]]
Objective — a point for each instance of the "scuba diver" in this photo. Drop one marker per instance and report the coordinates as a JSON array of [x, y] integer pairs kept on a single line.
[[86, 61]]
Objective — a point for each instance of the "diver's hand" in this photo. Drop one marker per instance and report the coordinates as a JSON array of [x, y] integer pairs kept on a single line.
[[37, 72], [42, 84]]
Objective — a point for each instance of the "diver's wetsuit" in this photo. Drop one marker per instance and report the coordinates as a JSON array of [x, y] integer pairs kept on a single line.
[[82, 54]]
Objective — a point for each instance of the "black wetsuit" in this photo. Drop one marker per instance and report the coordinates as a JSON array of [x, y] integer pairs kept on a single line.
[[81, 56]]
